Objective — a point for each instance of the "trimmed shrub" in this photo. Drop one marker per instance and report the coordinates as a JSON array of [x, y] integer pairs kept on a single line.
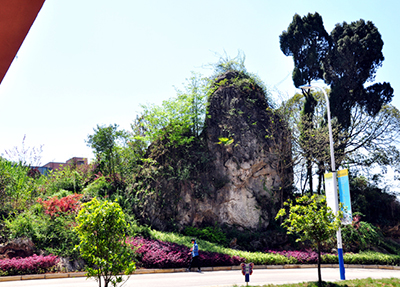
[[209, 233], [29, 265], [304, 257]]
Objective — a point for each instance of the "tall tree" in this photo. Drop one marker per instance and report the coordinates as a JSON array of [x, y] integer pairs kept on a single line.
[[307, 41], [105, 142], [352, 61], [373, 140], [347, 60], [194, 96], [315, 152]]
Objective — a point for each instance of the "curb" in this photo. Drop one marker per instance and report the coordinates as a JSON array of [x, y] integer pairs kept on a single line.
[[207, 269], [42, 276]]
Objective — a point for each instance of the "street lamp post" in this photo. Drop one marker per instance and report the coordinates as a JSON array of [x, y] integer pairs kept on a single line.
[[336, 204]]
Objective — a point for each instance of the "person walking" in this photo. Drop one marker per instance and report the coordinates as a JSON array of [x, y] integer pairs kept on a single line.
[[194, 251]]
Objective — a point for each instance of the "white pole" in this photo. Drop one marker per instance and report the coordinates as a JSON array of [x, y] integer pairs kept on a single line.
[[336, 207]]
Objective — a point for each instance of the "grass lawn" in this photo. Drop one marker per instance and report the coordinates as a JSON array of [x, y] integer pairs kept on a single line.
[[392, 282]]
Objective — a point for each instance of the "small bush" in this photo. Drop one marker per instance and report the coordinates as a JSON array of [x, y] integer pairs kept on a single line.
[[361, 235], [29, 265]]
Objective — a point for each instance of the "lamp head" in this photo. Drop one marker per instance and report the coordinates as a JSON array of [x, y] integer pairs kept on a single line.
[[306, 87]]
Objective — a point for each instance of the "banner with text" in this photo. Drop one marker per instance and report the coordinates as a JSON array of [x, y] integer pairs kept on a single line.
[[344, 192]]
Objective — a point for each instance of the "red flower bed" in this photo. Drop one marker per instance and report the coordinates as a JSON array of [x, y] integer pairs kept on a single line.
[[159, 254], [29, 265]]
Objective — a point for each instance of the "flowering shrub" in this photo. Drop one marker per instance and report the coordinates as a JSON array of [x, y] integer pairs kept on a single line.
[[304, 257], [53, 230], [159, 254], [68, 204], [29, 265]]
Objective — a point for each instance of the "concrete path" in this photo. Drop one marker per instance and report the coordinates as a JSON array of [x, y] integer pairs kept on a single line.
[[217, 278]]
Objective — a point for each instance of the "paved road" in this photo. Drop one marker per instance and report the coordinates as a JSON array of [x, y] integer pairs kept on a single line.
[[217, 278]]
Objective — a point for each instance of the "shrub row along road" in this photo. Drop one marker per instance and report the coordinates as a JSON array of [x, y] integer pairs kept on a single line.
[[218, 278]]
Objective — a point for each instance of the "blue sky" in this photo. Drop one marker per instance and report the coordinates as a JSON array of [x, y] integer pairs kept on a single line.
[[89, 62]]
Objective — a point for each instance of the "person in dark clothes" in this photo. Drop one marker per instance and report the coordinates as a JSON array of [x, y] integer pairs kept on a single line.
[[194, 251]]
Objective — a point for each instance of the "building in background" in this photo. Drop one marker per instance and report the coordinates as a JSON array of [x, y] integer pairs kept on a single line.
[[59, 165]]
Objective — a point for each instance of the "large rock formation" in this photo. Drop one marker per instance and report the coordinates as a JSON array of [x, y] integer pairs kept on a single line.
[[233, 175]]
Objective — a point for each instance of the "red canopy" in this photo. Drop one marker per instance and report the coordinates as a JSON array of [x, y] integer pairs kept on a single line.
[[16, 18]]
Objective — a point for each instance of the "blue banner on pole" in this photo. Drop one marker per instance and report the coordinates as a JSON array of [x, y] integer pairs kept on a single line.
[[344, 192]]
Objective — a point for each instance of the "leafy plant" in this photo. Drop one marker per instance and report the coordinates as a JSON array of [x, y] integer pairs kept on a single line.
[[102, 241]]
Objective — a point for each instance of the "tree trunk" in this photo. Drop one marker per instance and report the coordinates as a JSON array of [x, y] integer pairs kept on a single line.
[[319, 264], [310, 176]]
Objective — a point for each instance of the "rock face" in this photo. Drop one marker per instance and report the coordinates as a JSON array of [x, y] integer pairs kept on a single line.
[[21, 247], [66, 265], [236, 174]]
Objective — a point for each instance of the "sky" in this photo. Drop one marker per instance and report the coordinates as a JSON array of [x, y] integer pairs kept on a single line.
[[86, 63]]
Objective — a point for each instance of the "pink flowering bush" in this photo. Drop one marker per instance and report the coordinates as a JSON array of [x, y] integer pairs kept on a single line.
[[159, 254], [29, 265], [304, 257]]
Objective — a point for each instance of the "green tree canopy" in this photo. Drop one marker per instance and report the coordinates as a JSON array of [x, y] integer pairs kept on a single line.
[[352, 61], [311, 219], [101, 230], [307, 41], [105, 142], [178, 120]]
